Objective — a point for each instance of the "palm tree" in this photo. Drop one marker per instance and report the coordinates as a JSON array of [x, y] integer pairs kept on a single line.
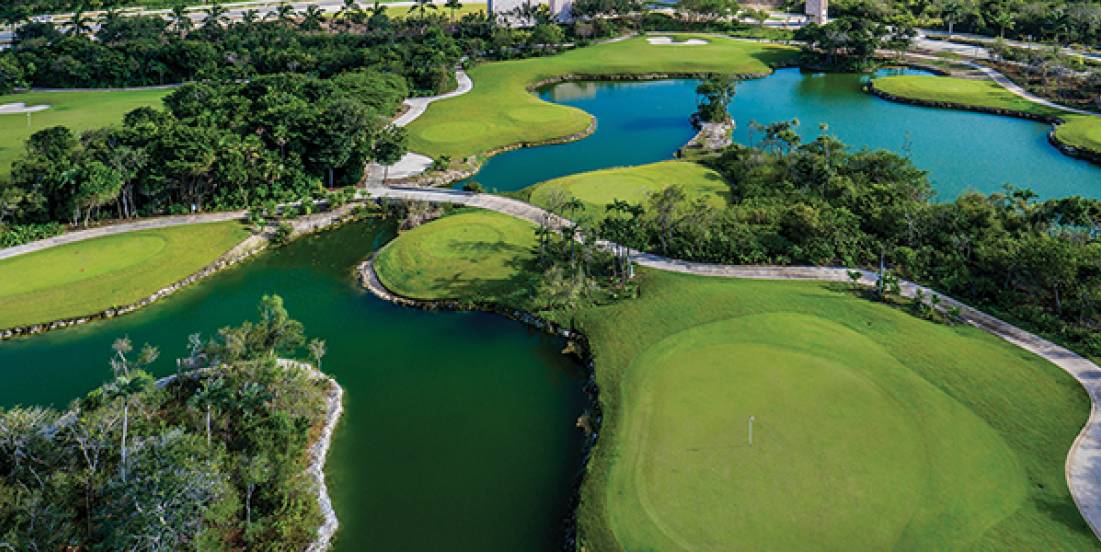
[[317, 350], [109, 17], [421, 7], [454, 6], [180, 19], [250, 17], [311, 19], [349, 13], [211, 395], [215, 15], [376, 15], [284, 13], [128, 383]]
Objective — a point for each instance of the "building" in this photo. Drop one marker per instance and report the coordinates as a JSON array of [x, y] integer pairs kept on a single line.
[[818, 11], [561, 9]]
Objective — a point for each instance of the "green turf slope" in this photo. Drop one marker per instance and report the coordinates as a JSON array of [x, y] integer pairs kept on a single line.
[[500, 111], [597, 189], [473, 255], [1080, 131], [77, 110], [875, 429], [82, 278]]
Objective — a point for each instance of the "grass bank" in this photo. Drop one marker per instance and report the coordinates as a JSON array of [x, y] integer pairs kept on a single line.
[[500, 111], [596, 189], [874, 429], [1079, 131], [82, 278], [77, 110]]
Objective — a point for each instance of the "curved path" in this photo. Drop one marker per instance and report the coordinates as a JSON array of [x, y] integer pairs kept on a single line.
[[99, 232], [1083, 466]]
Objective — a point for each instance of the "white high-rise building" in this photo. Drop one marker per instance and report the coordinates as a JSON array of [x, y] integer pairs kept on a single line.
[[818, 11], [561, 9]]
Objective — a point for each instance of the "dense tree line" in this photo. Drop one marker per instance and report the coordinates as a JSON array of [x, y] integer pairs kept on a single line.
[[1037, 262], [215, 460], [1063, 21], [215, 146], [851, 44]]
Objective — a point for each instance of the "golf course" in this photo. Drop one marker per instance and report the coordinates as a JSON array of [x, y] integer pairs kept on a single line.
[[1079, 131], [500, 111], [873, 428], [77, 110], [82, 278], [597, 189]]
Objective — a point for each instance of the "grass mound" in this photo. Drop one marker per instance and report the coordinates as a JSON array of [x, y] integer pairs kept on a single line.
[[473, 255], [500, 111], [596, 189], [1080, 131], [77, 110], [874, 429], [87, 277]]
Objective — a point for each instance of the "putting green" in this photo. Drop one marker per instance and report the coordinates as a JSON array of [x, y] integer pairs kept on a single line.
[[1080, 131], [77, 110], [839, 422], [473, 254], [597, 189], [500, 111], [82, 278]]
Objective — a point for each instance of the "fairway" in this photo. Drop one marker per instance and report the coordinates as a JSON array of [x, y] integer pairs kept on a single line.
[[83, 278], [500, 111], [634, 185], [874, 429], [473, 255], [1080, 131], [77, 110]]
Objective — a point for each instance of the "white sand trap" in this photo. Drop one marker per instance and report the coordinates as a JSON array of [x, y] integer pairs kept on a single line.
[[21, 108], [668, 41]]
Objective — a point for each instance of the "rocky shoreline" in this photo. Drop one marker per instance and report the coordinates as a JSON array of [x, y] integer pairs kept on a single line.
[[319, 451], [579, 343], [249, 247]]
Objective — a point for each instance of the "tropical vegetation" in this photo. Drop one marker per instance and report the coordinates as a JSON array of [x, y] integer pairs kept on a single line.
[[213, 459]]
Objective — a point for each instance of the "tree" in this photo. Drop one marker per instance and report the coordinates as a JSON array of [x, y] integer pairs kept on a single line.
[[80, 23], [665, 205], [422, 7], [317, 351], [713, 97], [181, 20], [216, 16], [98, 185], [454, 6], [130, 380], [211, 395], [311, 18], [954, 11], [389, 148]]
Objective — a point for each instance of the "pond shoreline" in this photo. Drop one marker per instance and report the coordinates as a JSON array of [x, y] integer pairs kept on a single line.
[[246, 249], [577, 342], [1066, 149]]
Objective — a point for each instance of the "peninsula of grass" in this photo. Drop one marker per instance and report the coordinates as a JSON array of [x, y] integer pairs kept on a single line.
[[634, 185], [87, 277], [471, 255], [501, 111], [1079, 131], [873, 429], [77, 110]]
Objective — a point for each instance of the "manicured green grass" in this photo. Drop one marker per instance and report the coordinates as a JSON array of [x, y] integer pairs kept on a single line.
[[403, 11], [1080, 131], [76, 110], [874, 429], [499, 111], [474, 255], [87, 277], [597, 189]]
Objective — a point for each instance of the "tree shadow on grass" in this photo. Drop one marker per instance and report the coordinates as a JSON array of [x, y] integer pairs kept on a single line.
[[1064, 512]]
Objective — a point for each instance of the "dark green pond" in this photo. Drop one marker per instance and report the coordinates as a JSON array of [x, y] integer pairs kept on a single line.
[[646, 122], [458, 432]]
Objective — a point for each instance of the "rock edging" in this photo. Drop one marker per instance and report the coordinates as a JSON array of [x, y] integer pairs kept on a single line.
[[249, 247], [1066, 149]]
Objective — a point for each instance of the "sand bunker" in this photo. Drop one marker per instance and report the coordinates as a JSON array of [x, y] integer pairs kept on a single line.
[[668, 41], [21, 108]]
